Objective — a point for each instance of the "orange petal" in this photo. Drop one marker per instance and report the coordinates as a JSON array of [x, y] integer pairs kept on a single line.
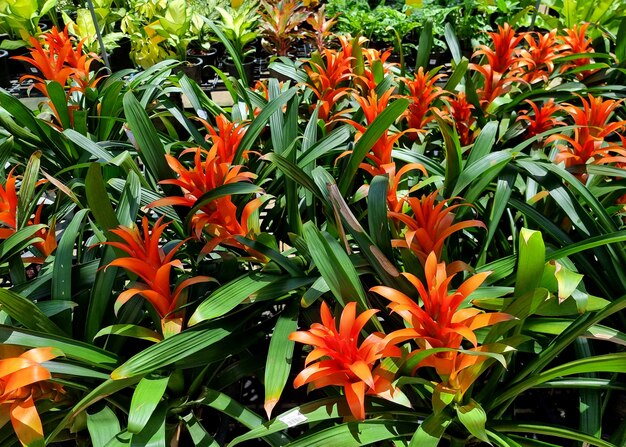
[[355, 395], [26, 423]]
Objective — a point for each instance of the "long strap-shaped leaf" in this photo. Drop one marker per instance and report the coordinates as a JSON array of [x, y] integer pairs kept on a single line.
[[368, 139], [146, 138]]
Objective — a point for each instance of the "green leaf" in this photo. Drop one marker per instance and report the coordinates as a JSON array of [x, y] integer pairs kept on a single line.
[[199, 435], [549, 430], [230, 295], [27, 313], [63, 259], [172, 349], [153, 434], [375, 130], [280, 355], [130, 330], [425, 46], [457, 75], [146, 138], [453, 43], [58, 98], [18, 241], [102, 426], [27, 190], [602, 363], [335, 266], [530, 263], [71, 348], [453, 156], [473, 417], [310, 413], [98, 199], [146, 397], [483, 144], [240, 413], [430, 431], [555, 326], [377, 214], [258, 124], [353, 434], [87, 144]]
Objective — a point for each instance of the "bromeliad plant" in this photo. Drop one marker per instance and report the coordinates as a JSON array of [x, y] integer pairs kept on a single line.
[[433, 258]]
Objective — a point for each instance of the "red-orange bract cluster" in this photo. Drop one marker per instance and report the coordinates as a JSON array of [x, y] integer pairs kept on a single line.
[[338, 359], [508, 63], [217, 218], [8, 220], [328, 78], [589, 143], [57, 59], [543, 118], [430, 226], [149, 262], [422, 93], [440, 323], [22, 383]]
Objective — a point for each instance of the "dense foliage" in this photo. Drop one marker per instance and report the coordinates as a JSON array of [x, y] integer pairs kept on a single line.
[[436, 253]]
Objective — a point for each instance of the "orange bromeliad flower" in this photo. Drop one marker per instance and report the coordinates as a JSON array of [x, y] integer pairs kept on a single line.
[[461, 113], [439, 322], [423, 92], [8, 207], [504, 53], [430, 226], [576, 43], [227, 138], [149, 262], [496, 73], [8, 219], [22, 383], [592, 129], [59, 61], [219, 217], [328, 77], [338, 360], [537, 62], [372, 106], [543, 119]]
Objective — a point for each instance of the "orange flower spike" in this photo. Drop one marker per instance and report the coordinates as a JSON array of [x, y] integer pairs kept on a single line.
[[461, 113], [344, 363], [22, 382], [592, 128], [537, 62], [575, 42], [8, 207], [148, 261], [543, 119], [440, 322], [226, 138], [430, 226], [504, 53], [423, 92]]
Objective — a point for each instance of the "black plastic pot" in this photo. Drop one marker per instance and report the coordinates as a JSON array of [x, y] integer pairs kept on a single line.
[[209, 58], [248, 68], [5, 80], [192, 68], [19, 68], [120, 56]]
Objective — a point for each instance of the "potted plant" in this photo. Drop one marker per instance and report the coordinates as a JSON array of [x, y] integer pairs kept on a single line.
[[238, 28], [170, 28], [279, 25]]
